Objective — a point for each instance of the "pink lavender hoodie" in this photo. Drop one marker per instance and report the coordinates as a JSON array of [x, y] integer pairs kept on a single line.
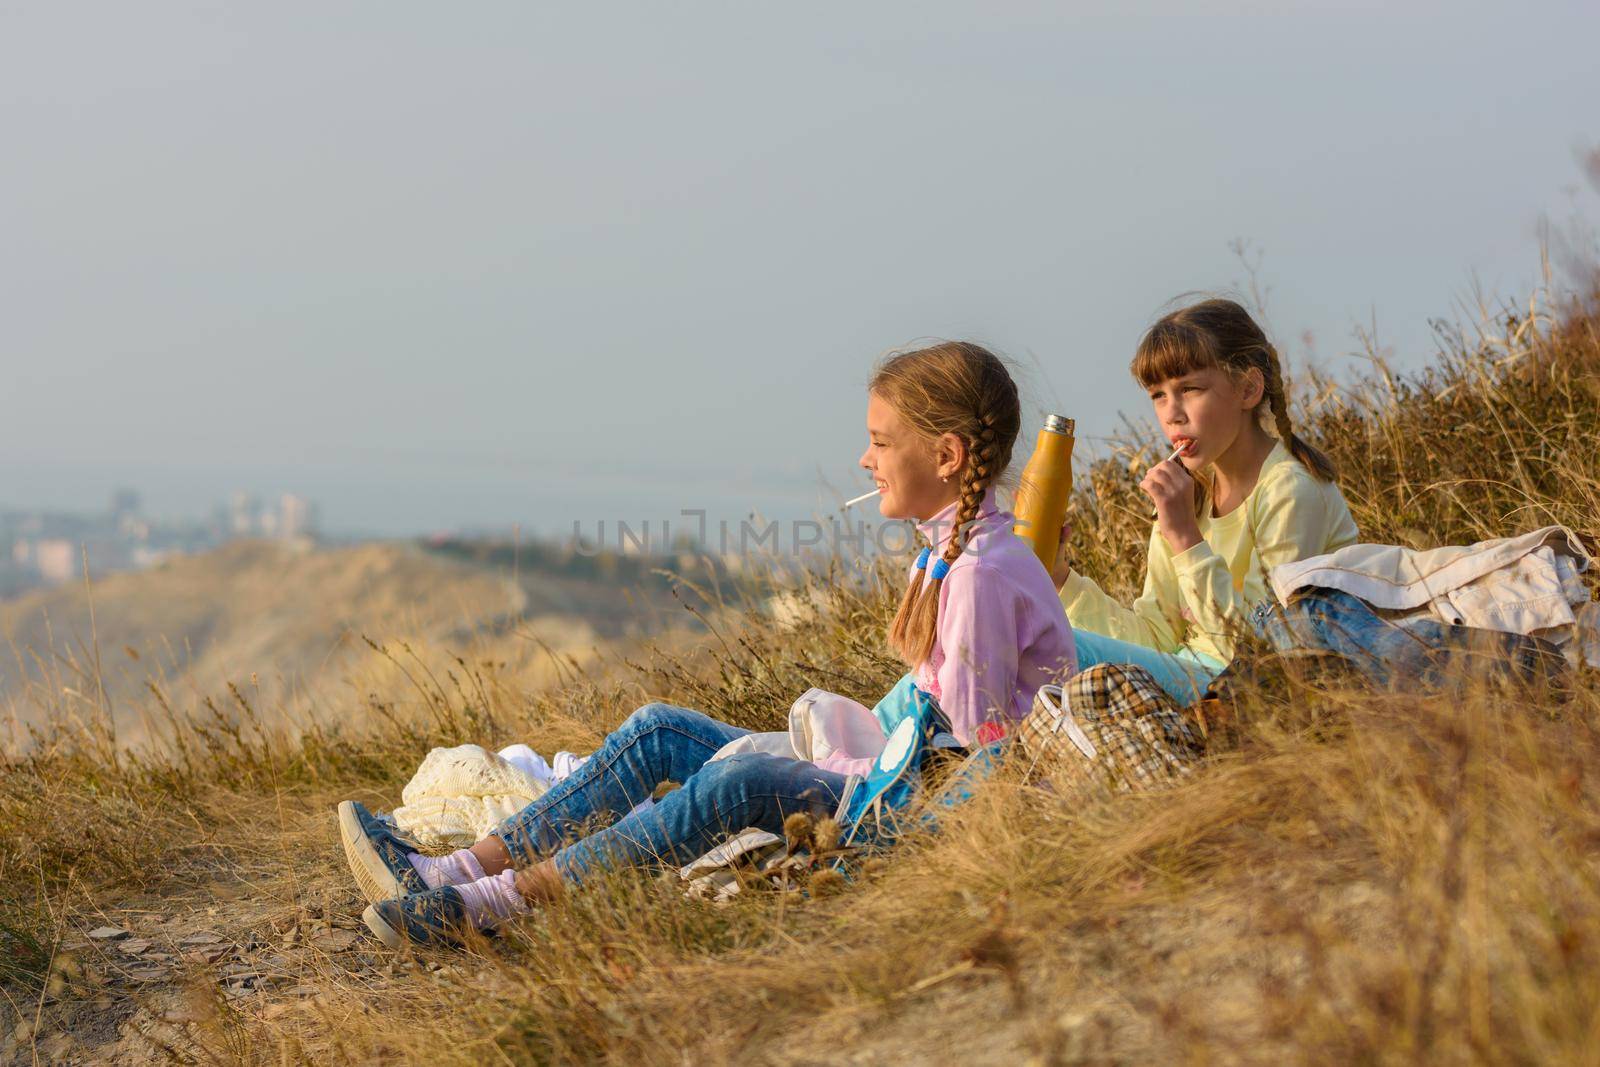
[[1001, 632]]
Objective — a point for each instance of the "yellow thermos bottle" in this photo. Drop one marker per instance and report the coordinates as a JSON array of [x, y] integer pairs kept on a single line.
[[1046, 486]]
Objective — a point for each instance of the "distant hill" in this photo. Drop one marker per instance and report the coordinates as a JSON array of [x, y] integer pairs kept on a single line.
[[293, 618]]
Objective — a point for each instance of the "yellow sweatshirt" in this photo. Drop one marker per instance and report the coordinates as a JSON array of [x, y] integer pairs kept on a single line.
[[1200, 598]]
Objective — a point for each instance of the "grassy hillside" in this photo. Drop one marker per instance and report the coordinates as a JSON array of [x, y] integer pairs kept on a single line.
[[289, 624], [1354, 877]]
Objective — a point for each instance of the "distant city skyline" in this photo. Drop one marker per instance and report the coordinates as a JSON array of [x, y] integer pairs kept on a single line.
[[540, 266], [41, 547]]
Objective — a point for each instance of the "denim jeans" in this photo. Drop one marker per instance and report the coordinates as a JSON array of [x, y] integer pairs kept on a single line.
[[1402, 651], [661, 743], [1184, 674]]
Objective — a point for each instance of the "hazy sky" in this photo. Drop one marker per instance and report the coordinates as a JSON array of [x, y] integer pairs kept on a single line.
[[439, 265]]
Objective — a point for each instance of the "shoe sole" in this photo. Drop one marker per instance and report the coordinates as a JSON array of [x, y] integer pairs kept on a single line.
[[377, 882], [391, 937]]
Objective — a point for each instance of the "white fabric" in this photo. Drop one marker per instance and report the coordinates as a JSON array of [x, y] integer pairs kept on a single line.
[[529, 762], [459, 794], [824, 724], [775, 744], [724, 855], [821, 724], [566, 764], [560, 766], [1528, 584]]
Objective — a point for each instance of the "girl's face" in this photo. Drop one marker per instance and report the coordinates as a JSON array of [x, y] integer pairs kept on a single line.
[[1204, 412], [908, 468]]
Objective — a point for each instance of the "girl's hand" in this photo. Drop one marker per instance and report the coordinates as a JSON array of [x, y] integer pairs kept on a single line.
[[1171, 487], [1062, 570]]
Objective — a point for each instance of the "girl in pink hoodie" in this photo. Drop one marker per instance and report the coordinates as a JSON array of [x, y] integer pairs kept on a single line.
[[980, 626]]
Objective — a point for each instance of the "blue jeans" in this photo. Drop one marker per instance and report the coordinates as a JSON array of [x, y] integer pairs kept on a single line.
[[1394, 652], [1183, 674], [661, 743]]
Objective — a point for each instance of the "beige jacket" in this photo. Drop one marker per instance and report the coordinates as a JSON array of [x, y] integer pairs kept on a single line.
[[1529, 584]]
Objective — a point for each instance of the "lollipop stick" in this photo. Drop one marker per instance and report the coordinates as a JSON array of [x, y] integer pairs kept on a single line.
[[853, 502]]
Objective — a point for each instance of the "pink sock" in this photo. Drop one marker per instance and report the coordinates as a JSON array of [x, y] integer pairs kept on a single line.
[[493, 899], [458, 868]]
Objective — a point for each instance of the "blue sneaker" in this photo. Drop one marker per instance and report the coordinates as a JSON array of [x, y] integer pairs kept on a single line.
[[436, 917], [377, 855]]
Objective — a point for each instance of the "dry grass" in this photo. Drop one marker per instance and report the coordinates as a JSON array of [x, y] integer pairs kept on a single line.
[[290, 623], [1358, 877]]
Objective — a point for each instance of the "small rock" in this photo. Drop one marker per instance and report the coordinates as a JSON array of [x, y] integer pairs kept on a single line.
[[135, 946], [107, 933], [203, 937], [146, 974], [256, 975], [335, 940], [208, 954]]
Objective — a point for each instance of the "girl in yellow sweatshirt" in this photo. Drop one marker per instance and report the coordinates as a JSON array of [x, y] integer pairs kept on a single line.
[[1234, 503]]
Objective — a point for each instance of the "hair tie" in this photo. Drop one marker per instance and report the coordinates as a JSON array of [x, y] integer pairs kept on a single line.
[[940, 568], [922, 558]]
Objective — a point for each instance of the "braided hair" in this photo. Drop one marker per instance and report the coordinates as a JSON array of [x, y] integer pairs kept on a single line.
[[1313, 459], [1221, 333], [961, 388]]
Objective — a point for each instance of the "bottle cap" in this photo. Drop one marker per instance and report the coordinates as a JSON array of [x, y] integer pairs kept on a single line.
[[1059, 424]]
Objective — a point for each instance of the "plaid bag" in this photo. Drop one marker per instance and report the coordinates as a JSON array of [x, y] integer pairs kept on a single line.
[[1111, 728]]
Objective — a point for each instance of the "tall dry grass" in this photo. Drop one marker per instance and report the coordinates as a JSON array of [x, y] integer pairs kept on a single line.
[[1354, 877]]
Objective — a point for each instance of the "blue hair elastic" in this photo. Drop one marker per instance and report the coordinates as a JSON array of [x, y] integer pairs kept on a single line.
[[940, 569], [922, 558]]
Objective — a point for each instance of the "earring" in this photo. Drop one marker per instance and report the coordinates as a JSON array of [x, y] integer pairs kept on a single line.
[[946, 478]]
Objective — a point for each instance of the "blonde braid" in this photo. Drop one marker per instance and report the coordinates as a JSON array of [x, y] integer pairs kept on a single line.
[[1278, 402], [908, 610], [975, 478]]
